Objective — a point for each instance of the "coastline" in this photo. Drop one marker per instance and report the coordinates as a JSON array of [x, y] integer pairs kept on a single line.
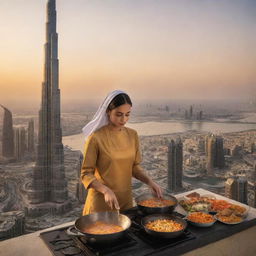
[[155, 129]]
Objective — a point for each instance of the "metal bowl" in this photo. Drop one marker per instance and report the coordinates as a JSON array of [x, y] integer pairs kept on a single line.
[[153, 217], [154, 210]]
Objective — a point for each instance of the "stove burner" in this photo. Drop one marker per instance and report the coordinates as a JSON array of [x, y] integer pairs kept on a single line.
[[71, 251], [103, 249], [62, 244], [163, 243], [155, 242]]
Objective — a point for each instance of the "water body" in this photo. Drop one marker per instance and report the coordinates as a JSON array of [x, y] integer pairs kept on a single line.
[[76, 142], [206, 182]]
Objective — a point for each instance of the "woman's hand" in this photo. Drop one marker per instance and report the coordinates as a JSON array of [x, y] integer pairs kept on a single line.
[[110, 198], [156, 189]]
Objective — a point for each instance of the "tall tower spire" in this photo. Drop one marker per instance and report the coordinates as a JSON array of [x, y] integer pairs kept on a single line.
[[49, 183]]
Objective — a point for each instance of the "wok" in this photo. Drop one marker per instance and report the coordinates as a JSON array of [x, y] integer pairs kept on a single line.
[[153, 217], [154, 210], [108, 217]]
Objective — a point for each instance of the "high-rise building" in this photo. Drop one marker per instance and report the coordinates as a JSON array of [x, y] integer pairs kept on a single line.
[[236, 151], [31, 139], [201, 115], [236, 188], [186, 114], [175, 165], [231, 188], [211, 152], [191, 112], [219, 157], [19, 142], [242, 189], [254, 195], [206, 144], [81, 192], [7, 136], [214, 153], [49, 183]]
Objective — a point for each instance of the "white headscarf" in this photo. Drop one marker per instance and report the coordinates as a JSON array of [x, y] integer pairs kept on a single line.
[[100, 118]]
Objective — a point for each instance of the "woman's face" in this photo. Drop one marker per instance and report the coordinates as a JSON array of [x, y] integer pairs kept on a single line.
[[120, 115]]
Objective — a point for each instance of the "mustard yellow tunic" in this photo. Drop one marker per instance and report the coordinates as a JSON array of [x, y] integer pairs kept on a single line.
[[111, 157]]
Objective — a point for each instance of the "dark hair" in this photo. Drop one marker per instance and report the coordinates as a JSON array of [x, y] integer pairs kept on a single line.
[[119, 100]]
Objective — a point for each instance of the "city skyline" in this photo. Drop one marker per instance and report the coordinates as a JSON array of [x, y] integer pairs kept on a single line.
[[178, 49]]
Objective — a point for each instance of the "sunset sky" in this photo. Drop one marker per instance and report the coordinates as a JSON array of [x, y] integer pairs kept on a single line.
[[153, 49]]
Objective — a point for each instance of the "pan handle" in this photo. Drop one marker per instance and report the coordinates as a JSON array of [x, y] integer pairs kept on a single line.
[[74, 232]]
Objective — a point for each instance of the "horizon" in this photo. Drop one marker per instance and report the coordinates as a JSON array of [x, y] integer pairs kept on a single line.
[[183, 49], [92, 105]]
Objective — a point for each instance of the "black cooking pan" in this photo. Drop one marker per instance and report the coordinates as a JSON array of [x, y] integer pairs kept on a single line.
[[153, 217], [155, 210], [107, 217]]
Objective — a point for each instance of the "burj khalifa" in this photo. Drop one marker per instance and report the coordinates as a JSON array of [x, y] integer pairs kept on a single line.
[[49, 184]]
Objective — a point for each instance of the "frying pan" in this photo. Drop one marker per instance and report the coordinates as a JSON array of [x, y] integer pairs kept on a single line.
[[153, 217], [108, 217], [154, 210]]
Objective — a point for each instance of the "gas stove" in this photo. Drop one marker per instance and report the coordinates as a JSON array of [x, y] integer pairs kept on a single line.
[[136, 242]]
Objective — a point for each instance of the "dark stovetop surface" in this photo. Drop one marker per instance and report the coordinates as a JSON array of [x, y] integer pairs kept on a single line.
[[139, 243]]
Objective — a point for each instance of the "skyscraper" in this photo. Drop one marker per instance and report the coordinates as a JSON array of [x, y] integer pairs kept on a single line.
[[7, 136], [214, 153], [211, 152], [236, 188], [231, 188], [31, 143], [175, 165], [81, 192], [49, 184], [201, 115], [186, 114], [191, 112], [219, 157], [242, 189], [254, 173], [19, 142]]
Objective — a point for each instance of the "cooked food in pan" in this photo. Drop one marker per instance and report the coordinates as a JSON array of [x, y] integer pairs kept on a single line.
[[156, 202], [164, 225], [100, 227], [200, 217]]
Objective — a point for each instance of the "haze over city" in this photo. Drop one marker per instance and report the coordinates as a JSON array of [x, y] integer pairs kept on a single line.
[[151, 49], [189, 69]]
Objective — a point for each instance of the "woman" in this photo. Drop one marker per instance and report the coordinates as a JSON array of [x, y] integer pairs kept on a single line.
[[112, 157]]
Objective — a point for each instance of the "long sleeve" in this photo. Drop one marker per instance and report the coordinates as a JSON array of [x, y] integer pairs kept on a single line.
[[89, 162], [112, 158], [136, 166]]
